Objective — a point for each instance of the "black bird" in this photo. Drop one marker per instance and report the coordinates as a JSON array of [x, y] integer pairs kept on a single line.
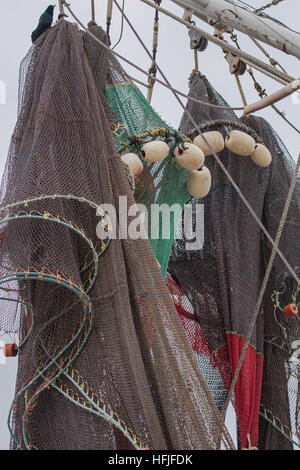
[[45, 22]]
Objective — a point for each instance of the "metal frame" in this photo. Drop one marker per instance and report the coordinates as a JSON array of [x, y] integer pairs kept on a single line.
[[224, 13]]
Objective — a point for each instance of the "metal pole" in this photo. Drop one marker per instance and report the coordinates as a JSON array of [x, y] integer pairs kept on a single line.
[[93, 9], [61, 8], [249, 59], [273, 98], [108, 16], [222, 12]]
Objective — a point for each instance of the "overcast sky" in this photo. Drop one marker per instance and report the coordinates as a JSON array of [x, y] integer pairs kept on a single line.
[[20, 17]]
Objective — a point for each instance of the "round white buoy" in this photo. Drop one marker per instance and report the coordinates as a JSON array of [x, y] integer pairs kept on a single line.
[[133, 162], [189, 156], [240, 143], [261, 156], [155, 151], [199, 182], [214, 138]]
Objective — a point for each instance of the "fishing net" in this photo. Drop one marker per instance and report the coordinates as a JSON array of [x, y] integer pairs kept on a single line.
[[134, 121], [279, 408], [215, 287], [104, 362]]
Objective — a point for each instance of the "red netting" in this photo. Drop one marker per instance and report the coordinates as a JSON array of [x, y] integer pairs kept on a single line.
[[219, 283]]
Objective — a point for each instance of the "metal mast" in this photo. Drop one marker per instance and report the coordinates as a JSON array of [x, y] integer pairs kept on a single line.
[[225, 13]]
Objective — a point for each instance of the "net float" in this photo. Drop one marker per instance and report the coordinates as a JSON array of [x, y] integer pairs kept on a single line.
[[240, 143], [189, 156], [199, 182], [155, 151], [291, 310], [133, 162], [10, 350], [215, 140], [261, 156]]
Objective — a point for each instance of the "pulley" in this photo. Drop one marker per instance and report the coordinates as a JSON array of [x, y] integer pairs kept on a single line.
[[197, 41], [236, 66]]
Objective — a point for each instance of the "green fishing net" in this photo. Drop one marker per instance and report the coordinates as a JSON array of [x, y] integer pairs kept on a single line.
[[162, 183]]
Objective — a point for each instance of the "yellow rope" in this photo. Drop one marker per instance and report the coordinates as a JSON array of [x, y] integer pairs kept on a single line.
[[61, 10], [196, 70], [238, 81]]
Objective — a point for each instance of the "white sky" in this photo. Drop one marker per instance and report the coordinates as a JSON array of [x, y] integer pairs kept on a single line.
[[20, 17]]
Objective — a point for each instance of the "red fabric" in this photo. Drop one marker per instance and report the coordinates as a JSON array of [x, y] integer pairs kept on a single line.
[[247, 389], [191, 326], [218, 359]]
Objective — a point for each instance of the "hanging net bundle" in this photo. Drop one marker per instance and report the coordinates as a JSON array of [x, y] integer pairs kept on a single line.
[[280, 399], [215, 288], [134, 122], [104, 362]]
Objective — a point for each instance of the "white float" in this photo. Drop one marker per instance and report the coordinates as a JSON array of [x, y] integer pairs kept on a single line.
[[155, 151], [189, 156], [199, 182], [214, 138], [240, 143], [133, 162], [261, 156]]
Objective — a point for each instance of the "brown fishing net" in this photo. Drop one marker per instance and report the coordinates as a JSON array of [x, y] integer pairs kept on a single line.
[[131, 117], [215, 288], [280, 412], [104, 362]]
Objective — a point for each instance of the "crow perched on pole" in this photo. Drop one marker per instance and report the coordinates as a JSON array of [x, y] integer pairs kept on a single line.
[[45, 22]]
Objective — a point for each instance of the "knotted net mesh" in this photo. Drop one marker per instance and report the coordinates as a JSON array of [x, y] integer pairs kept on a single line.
[[279, 407], [130, 115], [216, 286], [104, 362]]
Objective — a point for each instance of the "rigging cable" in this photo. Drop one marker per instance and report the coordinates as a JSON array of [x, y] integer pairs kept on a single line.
[[261, 91], [263, 50], [226, 437], [229, 108], [176, 93], [248, 58], [272, 256], [264, 285], [153, 69], [251, 9], [275, 243], [275, 248], [217, 158], [122, 26], [214, 153]]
